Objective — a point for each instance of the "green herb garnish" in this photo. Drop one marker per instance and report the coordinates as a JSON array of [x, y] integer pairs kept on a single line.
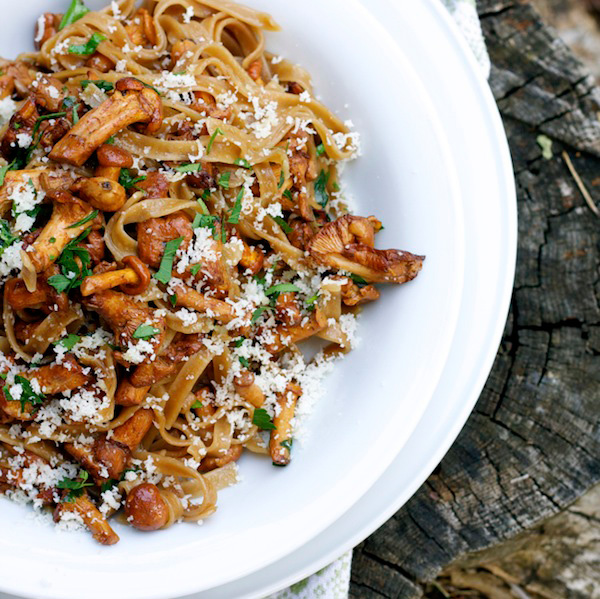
[[4, 170], [321, 188], [189, 168], [242, 162], [237, 209], [223, 180], [281, 288], [287, 444], [262, 419], [258, 313], [320, 150], [127, 180], [281, 222], [288, 194], [197, 404], [173, 299], [195, 269], [244, 362], [86, 219], [89, 47], [145, 331], [166, 264], [6, 236], [77, 10], [72, 274], [107, 86], [28, 395], [68, 342], [218, 131], [75, 486]]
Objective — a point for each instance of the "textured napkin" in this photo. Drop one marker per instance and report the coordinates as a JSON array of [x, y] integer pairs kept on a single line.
[[333, 581]]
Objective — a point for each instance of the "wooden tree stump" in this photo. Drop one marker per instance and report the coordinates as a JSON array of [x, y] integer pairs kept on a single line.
[[532, 445]]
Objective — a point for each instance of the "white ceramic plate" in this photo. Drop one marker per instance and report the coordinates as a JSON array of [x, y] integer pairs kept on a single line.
[[408, 177], [475, 131]]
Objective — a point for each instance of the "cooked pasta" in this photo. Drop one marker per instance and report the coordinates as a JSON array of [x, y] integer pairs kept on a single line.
[[173, 227]]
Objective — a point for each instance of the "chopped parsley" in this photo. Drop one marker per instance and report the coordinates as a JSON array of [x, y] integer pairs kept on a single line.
[[223, 180], [358, 280], [234, 217], [287, 444], [89, 47], [4, 170], [281, 288], [281, 180], [166, 264], [71, 273], [218, 131], [242, 162], [321, 188], [74, 486], [197, 404], [189, 168], [310, 302], [281, 222], [195, 269], [173, 299], [320, 150], [204, 220], [68, 342], [107, 86], [258, 313], [262, 419], [85, 219], [77, 10], [239, 342], [288, 194], [145, 331], [126, 179], [6, 236], [28, 395], [244, 362]]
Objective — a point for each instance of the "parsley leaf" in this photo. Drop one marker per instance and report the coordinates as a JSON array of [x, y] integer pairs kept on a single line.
[[74, 486], [189, 168], [281, 288], [242, 162], [204, 220], [85, 219], [218, 131], [239, 342], [310, 302], [145, 331], [107, 86], [109, 484], [320, 150], [321, 188], [288, 194], [194, 269], [234, 218], [89, 47], [173, 299], [77, 10], [261, 419], [72, 273], [166, 264], [281, 222], [258, 313], [287, 444], [28, 395], [358, 280], [281, 180], [127, 180], [3, 171], [6, 236], [223, 180], [244, 362], [68, 342], [197, 404]]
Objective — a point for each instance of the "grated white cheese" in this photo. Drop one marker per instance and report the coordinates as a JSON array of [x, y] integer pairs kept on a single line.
[[188, 15], [7, 108]]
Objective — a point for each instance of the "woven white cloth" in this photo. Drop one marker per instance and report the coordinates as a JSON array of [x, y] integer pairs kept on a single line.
[[333, 581]]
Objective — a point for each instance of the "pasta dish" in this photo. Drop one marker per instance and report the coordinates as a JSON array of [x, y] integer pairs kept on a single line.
[[173, 227]]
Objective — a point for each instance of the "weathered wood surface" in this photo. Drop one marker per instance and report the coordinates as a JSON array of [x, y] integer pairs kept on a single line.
[[532, 445]]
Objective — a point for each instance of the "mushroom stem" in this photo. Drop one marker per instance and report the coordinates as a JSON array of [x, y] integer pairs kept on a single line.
[[108, 280], [95, 127]]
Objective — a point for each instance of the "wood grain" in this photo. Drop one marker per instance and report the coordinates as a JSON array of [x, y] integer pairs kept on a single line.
[[532, 445]]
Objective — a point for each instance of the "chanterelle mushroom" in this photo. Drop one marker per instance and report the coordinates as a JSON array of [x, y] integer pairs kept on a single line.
[[347, 244], [131, 102]]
